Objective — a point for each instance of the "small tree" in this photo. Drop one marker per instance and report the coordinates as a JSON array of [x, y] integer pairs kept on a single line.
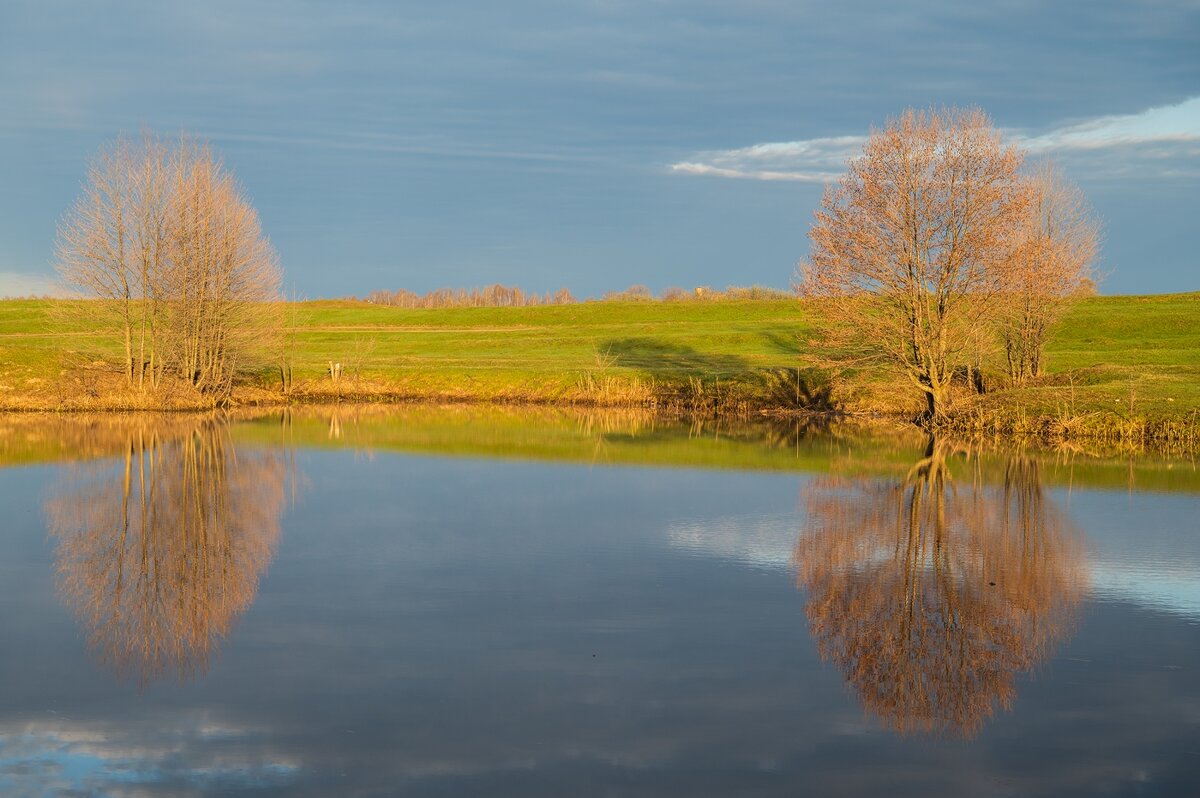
[[909, 248], [223, 288], [112, 244], [1051, 265], [164, 237]]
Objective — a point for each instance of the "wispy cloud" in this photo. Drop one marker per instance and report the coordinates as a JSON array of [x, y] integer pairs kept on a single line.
[[1168, 124], [809, 161], [1170, 132]]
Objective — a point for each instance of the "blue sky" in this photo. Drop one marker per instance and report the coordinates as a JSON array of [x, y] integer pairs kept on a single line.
[[591, 144]]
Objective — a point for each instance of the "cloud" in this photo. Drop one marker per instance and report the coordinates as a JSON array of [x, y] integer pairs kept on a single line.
[[1169, 133], [1167, 124], [18, 284], [61, 756], [810, 161]]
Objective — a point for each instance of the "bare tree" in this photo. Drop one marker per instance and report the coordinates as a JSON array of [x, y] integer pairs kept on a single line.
[[165, 238], [1050, 266], [223, 285], [94, 247], [909, 248]]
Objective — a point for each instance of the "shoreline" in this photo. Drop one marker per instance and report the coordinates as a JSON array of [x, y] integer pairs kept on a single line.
[[1118, 369], [1015, 426], [591, 437]]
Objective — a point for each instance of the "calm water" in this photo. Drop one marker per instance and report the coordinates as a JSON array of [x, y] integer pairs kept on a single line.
[[473, 602]]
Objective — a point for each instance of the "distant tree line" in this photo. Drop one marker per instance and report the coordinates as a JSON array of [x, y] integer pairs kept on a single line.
[[701, 293], [502, 296], [490, 296]]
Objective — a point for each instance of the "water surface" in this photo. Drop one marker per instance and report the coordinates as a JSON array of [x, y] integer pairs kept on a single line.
[[465, 601]]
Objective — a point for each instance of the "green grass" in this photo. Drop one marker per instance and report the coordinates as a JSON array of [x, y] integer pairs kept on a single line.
[[1113, 347], [1112, 358], [537, 353], [553, 344]]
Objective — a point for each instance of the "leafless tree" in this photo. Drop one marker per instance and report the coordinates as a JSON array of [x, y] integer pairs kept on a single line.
[[1050, 266], [112, 245], [909, 248], [223, 288], [165, 238]]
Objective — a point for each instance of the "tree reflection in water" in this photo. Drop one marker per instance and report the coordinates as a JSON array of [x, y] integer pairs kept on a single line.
[[159, 553], [931, 597]]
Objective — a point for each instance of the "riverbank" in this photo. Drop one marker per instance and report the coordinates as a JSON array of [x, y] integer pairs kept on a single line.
[[1119, 368], [581, 437]]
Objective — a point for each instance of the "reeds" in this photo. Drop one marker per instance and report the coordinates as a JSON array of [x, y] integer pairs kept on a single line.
[[1129, 431]]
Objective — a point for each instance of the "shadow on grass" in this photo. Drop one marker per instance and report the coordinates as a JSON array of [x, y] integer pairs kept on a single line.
[[696, 380], [788, 343], [673, 362]]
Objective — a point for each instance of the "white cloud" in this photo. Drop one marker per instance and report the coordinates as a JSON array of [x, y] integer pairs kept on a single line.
[[809, 161], [19, 284], [1168, 133], [1166, 124]]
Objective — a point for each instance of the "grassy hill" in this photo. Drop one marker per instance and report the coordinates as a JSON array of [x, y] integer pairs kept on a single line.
[[1111, 359]]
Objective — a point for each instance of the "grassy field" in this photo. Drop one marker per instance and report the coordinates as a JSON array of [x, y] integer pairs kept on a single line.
[[542, 354], [1113, 360]]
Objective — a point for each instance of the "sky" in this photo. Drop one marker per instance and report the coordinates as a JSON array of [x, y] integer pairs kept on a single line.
[[591, 144]]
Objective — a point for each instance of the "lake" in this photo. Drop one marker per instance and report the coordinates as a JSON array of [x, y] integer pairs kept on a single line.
[[486, 601]]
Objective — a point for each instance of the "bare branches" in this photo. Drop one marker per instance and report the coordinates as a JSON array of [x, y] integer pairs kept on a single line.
[[911, 249], [934, 244], [224, 285], [95, 250], [165, 235], [1050, 265]]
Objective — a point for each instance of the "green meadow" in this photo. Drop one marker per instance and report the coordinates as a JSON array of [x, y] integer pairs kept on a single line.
[[1111, 361]]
